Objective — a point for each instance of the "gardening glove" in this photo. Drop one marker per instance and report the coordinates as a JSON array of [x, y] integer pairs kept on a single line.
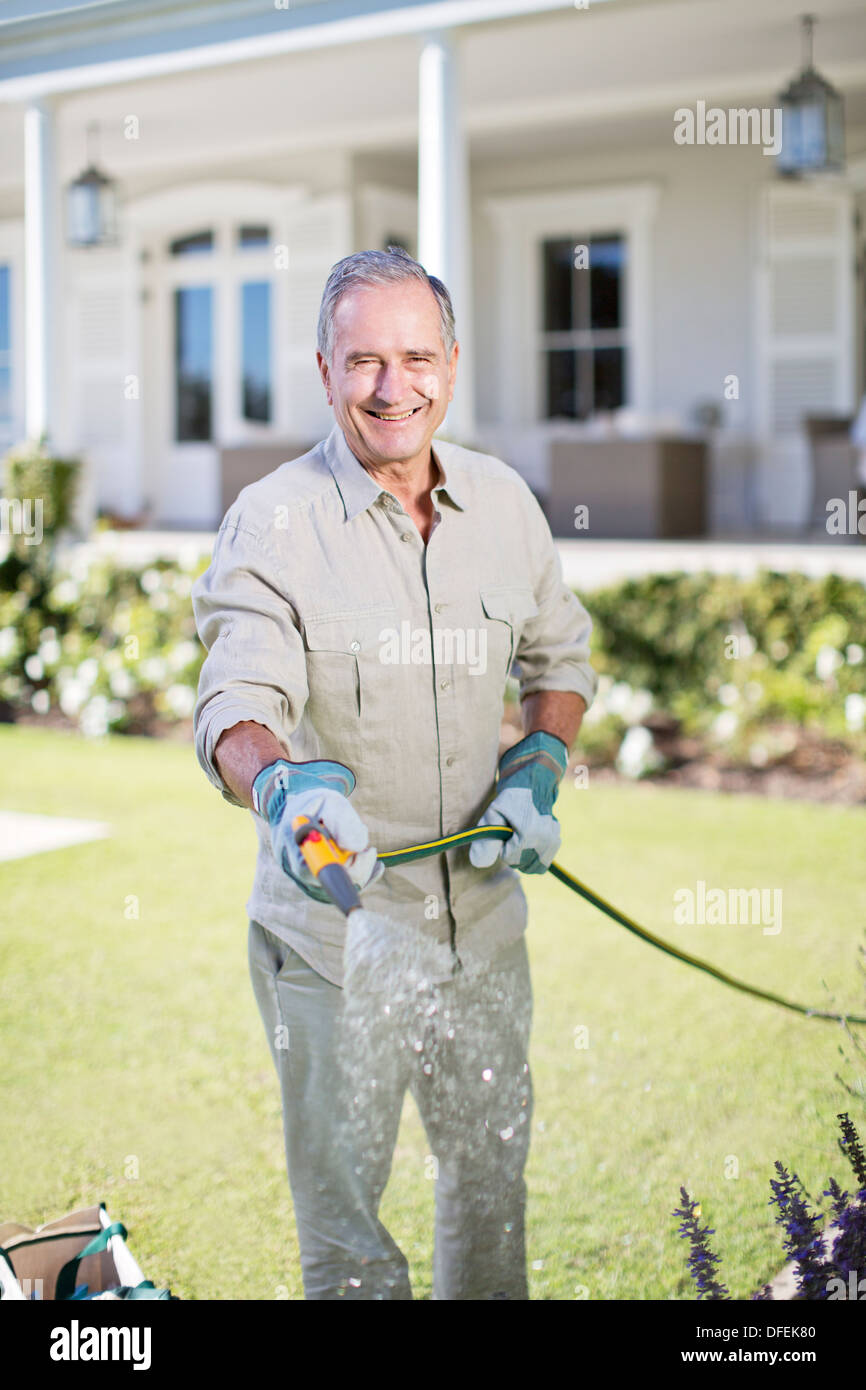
[[318, 790], [527, 787]]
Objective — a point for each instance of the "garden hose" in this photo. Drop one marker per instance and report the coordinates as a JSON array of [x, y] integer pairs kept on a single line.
[[335, 859]]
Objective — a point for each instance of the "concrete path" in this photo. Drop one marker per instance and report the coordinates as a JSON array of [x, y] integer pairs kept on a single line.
[[22, 835]]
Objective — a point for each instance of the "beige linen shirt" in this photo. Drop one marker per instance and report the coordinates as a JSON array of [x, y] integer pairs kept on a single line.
[[328, 620]]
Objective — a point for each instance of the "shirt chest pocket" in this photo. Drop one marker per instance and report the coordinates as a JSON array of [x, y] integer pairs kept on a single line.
[[343, 654], [507, 610]]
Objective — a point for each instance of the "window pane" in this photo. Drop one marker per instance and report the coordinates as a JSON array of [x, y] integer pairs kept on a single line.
[[4, 309], [558, 274], [256, 350], [200, 243], [569, 383], [608, 378], [193, 370], [254, 236], [606, 261], [559, 368]]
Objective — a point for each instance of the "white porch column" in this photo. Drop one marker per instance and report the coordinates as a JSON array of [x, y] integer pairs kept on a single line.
[[443, 208], [40, 256]]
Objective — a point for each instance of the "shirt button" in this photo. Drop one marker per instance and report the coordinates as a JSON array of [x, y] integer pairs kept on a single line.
[[449, 761], [405, 536], [355, 646], [443, 685], [438, 607]]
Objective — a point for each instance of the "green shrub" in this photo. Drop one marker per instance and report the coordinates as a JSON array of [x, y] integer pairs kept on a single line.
[[731, 657]]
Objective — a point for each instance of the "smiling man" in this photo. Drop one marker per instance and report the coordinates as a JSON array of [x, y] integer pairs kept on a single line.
[[303, 710]]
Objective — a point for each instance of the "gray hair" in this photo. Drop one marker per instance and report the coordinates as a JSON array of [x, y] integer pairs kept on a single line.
[[379, 268]]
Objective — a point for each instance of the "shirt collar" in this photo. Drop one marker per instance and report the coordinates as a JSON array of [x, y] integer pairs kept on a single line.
[[359, 490]]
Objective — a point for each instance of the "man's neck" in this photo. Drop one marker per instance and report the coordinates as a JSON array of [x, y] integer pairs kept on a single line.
[[411, 481]]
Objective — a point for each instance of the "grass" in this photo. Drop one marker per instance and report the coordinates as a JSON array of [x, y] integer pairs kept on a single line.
[[136, 1070]]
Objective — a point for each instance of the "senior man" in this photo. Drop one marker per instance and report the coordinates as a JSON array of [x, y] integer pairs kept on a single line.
[[362, 612]]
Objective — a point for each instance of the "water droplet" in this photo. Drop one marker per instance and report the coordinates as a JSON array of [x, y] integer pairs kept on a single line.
[[487, 1074], [506, 1133]]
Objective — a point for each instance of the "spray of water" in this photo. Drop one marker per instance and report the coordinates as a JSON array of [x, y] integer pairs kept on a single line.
[[458, 1040]]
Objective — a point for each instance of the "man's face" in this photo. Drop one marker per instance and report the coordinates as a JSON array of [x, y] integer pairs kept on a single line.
[[389, 380]]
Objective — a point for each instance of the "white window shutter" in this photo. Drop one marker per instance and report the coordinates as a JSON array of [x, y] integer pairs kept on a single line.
[[805, 334], [318, 235], [103, 377]]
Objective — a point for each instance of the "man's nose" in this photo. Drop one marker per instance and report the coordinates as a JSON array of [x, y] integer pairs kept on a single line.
[[392, 383]]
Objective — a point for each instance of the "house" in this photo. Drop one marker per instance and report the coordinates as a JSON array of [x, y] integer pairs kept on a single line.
[[596, 180]]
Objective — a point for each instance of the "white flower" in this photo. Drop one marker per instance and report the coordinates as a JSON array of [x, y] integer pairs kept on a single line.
[[41, 701], [150, 581], [34, 668], [88, 671], [65, 594], [728, 694], [753, 691], [182, 655], [637, 753], [154, 669], [122, 684], [758, 755], [854, 654], [8, 642], [93, 722], [48, 634], [79, 566], [49, 651], [619, 698], [160, 601], [855, 712], [180, 700], [182, 585], [779, 649], [113, 660], [638, 707], [72, 697], [827, 661], [725, 725]]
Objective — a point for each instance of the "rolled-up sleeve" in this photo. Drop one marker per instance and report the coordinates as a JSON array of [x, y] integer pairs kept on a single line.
[[553, 651], [255, 668]]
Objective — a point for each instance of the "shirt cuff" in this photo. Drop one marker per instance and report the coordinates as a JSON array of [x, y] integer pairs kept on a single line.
[[575, 683]]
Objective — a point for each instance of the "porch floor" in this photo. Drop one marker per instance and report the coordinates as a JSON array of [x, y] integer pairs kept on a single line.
[[587, 564]]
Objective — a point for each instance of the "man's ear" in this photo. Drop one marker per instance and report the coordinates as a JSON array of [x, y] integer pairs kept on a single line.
[[324, 372], [452, 370]]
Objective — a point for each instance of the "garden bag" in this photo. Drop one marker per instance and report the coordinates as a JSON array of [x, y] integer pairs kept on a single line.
[[82, 1255]]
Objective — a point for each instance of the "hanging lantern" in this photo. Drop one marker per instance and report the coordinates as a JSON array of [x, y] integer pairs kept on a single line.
[[91, 205], [813, 120]]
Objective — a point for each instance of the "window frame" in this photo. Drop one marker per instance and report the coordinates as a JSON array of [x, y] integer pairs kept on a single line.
[[521, 224]]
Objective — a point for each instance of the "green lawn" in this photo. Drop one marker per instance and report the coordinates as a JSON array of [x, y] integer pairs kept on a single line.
[[136, 1070]]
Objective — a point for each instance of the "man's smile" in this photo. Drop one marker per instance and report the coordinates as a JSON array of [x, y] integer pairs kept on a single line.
[[393, 418]]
